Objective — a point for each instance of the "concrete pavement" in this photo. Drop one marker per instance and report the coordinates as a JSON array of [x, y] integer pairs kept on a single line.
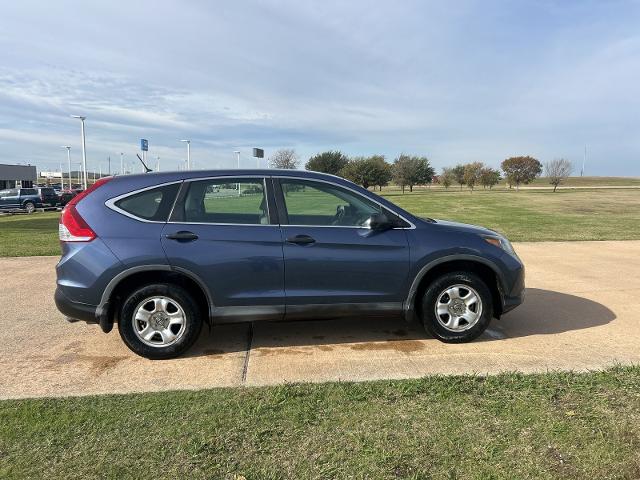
[[582, 311]]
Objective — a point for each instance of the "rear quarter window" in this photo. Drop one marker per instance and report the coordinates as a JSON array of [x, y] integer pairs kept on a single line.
[[153, 204]]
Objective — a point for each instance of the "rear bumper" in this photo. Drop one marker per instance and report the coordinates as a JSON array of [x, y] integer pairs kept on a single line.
[[74, 311]]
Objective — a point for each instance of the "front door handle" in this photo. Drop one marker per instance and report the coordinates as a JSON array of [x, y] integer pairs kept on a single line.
[[301, 240], [182, 236]]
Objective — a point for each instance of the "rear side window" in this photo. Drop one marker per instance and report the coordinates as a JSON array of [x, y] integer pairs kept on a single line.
[[153, 204], [225, 201], [28, 191]]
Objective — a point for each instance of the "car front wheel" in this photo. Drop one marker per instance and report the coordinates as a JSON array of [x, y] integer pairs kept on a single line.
[[160, 321], [457, 307]]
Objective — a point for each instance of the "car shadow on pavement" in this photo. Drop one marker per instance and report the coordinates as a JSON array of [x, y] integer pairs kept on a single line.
[[544, 312]]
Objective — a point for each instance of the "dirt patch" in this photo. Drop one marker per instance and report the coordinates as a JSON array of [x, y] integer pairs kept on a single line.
[[213, 352], [404, 346], [97, 364], [265, 351]]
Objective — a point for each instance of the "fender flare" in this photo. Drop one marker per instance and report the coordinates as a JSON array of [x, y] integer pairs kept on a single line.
[[103, 307], [409, 304]]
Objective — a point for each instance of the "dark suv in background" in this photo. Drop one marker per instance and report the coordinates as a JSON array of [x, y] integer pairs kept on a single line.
[[27, 199], [160, 254]]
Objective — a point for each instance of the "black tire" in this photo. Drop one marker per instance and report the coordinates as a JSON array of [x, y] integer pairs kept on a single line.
[[192, 323], [29, 207], [430, 297]]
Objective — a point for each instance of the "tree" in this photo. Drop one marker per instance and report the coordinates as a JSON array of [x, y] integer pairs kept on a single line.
[[327, 162], [284, 158], [409, 170], [381, 171], [489, 177], [368, 171], [447, 177], [472, 174], [458, 174], [521, 170], [558, 170]]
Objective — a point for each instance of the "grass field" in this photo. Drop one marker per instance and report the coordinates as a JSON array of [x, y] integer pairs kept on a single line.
[[25, 235], [527, 215], [556, 425], [534, 215]]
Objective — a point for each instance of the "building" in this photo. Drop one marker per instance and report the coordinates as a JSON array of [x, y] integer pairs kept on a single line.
[[12, 176]]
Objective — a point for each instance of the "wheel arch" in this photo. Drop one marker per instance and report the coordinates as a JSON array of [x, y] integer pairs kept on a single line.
[[482, 267], [135, 277]]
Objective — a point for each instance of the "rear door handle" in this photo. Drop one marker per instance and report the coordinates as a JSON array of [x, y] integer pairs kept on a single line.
[[182, 236], [301, 240]]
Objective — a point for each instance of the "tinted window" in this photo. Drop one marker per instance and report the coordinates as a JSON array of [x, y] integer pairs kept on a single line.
[[317, 203], [237, 201], [28, 191], [154, 204]]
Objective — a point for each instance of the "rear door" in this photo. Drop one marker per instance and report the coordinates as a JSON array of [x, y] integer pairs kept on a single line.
[[335, 264], [224, 231]]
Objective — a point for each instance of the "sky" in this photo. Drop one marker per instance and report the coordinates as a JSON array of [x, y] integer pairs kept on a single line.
[[456, 81]]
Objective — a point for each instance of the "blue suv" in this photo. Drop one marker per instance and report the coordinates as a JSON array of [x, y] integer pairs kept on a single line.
[[162, 253]]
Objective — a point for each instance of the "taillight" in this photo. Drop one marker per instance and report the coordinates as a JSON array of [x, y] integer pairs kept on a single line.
[[72, 226]]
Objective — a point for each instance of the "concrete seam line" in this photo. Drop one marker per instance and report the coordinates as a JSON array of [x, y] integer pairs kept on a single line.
[[245, 366]]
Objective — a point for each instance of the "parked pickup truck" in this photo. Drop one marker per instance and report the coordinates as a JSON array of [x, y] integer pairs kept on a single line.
[[27, 199]]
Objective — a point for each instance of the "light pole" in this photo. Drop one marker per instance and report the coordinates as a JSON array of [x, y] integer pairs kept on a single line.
[[69, 164], [157, 163], [121, 163], [188, 142], [84, 151], [237, 152]]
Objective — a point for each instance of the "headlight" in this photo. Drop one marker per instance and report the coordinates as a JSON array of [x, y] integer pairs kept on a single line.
[[500, 242]]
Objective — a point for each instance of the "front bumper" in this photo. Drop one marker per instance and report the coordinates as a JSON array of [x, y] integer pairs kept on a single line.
[[515, 296]]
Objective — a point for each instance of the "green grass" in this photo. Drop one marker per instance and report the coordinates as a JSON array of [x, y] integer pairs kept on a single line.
[[533, 215], [591, 182], [25, 235], [556, 425], [528, 215]]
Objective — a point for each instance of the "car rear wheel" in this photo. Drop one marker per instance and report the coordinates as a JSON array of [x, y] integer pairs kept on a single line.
[[457, 307], [29, 207], [160, 321]]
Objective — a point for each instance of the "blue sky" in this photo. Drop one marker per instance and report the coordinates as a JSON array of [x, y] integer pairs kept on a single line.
[[456, 81]]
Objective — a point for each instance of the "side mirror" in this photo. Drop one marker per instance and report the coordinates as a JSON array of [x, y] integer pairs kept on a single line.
[[379, 222]]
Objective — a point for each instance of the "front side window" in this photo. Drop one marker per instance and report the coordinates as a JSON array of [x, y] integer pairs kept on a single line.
[[153, 204], [322, 204], [232, 201]]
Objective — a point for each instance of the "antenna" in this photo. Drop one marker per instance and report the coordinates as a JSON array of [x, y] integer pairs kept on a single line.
[[146, 169]]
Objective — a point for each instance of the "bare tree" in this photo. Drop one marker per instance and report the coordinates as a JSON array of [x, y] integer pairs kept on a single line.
[[558, 170], [284, 158]]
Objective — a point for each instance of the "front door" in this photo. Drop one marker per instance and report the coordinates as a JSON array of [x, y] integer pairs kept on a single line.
[[335, 264], [10, 198], [221, 230]]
